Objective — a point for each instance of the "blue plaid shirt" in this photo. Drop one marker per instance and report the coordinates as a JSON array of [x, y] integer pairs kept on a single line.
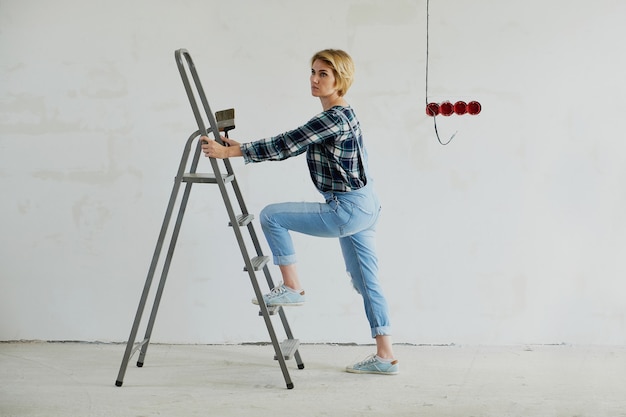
[[332, 151]]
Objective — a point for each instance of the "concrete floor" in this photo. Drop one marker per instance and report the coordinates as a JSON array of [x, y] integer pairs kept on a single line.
[[78, 379]]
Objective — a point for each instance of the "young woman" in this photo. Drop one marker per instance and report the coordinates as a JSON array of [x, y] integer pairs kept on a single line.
[[337, 162]]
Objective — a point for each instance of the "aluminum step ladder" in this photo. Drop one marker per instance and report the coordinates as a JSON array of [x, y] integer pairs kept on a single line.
[[222, 121]]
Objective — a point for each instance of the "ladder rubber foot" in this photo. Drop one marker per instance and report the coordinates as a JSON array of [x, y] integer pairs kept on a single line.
[[118, 383], [301, 366], [139, 364], [290, 385]]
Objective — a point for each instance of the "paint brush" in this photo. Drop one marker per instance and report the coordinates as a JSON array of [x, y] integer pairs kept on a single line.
[[225, 120]]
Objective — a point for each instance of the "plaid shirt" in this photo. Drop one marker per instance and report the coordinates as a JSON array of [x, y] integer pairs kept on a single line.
[[332, 151]]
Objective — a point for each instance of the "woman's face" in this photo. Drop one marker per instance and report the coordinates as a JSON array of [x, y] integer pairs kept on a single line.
[[322, 79]]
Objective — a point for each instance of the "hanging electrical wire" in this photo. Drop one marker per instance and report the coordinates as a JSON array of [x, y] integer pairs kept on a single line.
[[434, 115]]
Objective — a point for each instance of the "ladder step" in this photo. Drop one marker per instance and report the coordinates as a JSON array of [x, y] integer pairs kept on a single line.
[[243, 219], [206, 178], [271, 310], [258, 262], [288, 348]]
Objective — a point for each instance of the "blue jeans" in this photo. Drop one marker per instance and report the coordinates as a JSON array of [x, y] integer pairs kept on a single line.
[[349, 216]]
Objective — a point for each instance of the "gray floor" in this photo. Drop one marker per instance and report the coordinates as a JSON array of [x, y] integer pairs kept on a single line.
[[78, 379]]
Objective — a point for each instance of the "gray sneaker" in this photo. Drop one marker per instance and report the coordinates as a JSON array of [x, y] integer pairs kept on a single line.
[[282, 296], [373, 365]]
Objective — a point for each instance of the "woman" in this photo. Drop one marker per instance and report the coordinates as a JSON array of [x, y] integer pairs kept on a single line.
[[337, 163]]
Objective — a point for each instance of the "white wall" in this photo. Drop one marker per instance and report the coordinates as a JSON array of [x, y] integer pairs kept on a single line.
[[513, 233]]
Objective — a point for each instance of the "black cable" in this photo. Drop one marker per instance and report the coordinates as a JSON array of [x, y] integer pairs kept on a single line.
[[427, 58]]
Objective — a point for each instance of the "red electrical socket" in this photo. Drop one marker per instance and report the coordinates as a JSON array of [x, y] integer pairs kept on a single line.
[[447, 109], [473, 107], [460, 108], [432, 109]]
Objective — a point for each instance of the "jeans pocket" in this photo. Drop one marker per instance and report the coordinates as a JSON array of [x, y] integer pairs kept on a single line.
[[368, 211], [343, 214], [359, 219]]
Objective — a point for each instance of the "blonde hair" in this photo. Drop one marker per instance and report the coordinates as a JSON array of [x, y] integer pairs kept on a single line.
[[342, 65]]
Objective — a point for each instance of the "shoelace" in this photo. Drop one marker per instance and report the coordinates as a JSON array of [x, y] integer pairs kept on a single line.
[[277, 291], [370, 359]]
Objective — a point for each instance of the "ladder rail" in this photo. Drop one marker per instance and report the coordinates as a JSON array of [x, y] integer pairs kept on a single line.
[[168, 261], [270, 282], [182, 56], [259, 252], [154, 262]]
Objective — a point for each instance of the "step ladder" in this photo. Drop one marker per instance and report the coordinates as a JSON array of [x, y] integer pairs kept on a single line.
[[222, 121]]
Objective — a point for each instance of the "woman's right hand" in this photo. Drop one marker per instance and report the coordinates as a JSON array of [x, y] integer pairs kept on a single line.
[[213, 149]]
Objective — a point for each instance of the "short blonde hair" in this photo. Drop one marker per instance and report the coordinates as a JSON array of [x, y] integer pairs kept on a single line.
[[342, 65]]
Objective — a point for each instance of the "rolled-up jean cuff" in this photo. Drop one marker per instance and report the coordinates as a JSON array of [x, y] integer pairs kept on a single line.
[[284, 259], [381, 331]]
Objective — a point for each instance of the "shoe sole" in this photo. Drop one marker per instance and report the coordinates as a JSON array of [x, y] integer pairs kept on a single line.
[[256, 303], [357, 371]]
